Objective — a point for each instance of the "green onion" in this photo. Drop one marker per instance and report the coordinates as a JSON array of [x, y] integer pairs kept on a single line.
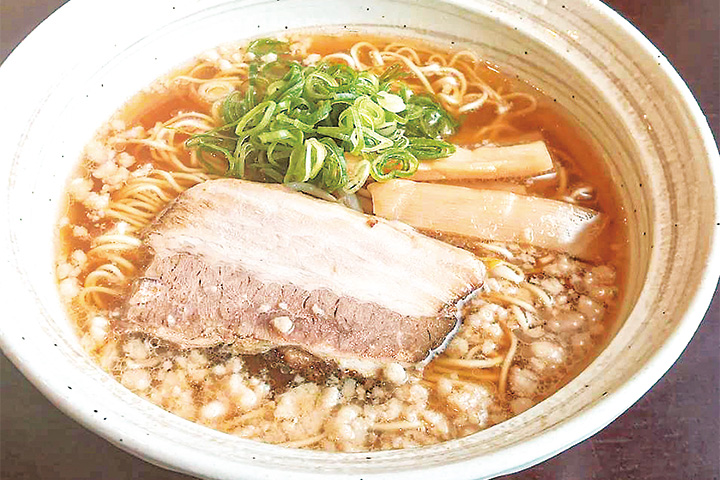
[[393, 163], [390, 102], [359, 176], [429, 149], [311, 189], [427, 119], [255, 120], [306, 160], [284, 135], [295, 124], [263, 46], [334, 176]]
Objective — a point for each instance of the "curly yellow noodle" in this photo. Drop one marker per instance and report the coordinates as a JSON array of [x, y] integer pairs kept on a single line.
[[449, 76], [471, 363], [199, 68], [505, 369], [463, 54], [373, 54], [104, 272], [145, 188], [118, 240], [343, 57], [414, 69], [531, 107], [437, 58], [402, 49], [539, 293], [198, 122], [118, 260], [433, 378], [134, 220], [511, 301]]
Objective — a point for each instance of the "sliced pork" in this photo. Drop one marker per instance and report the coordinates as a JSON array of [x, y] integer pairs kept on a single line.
[[261, 266]]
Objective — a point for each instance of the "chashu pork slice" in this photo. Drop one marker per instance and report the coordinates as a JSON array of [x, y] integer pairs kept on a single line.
[[262, 266]]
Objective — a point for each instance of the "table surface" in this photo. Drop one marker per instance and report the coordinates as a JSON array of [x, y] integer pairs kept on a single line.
[[673, 432]]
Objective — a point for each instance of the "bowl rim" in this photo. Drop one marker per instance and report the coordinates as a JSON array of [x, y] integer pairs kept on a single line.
[[617, 401]]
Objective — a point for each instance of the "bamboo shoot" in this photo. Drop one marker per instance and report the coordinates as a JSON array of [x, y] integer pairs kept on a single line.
[[488, 163], [490, 215], [506, 185]]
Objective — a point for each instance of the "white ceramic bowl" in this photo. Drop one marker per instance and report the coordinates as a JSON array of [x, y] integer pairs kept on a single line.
[[79, 66]]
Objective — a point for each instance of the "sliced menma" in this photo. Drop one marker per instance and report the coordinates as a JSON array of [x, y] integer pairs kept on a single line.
[[490, 215], [488, 163]]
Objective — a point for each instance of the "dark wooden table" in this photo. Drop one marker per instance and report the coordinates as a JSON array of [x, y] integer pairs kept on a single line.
[[672, 433]]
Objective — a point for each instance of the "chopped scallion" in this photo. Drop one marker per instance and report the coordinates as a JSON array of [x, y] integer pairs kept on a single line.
[[295, 124]]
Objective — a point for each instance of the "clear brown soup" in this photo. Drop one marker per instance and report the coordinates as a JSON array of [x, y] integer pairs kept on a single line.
[[259, 396]]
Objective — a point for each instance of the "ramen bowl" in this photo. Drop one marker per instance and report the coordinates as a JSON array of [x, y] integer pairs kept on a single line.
[[615, 84]]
